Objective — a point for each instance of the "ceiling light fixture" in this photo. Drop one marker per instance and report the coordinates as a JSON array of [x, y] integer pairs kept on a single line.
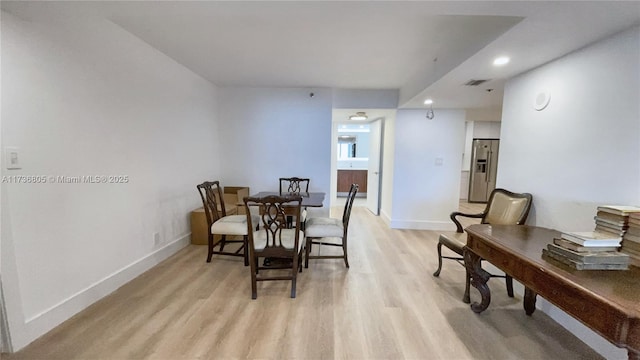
[[502, 60], [360, 115], [430, 114]]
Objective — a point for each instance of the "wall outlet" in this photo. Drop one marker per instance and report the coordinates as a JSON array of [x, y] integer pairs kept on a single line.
[[156, 238], [11, 158]]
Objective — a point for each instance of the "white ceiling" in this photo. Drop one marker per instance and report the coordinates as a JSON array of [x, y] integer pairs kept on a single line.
[[358, 45]]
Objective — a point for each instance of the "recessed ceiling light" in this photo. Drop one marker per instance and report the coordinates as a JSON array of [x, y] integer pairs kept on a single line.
[[428, 102], [502, 60]]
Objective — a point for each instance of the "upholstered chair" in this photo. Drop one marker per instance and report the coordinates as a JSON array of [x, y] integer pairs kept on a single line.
[[503, 208]]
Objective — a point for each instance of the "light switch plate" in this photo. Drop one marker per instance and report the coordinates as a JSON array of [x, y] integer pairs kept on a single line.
[[12, 158], [439, 161]]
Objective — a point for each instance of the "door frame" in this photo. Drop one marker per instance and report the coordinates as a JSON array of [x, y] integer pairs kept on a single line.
[[336, 121]]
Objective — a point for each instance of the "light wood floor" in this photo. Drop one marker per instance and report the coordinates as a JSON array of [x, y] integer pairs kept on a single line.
[[386, 306]]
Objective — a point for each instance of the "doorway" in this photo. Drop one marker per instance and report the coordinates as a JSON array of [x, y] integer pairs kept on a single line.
[[356, 157]]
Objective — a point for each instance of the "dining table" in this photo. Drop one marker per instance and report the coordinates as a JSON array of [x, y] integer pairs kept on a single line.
[[309, 199]]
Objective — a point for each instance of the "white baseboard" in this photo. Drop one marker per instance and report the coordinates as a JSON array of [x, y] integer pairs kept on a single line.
[[45, 321], [422, 225], [385, 217]]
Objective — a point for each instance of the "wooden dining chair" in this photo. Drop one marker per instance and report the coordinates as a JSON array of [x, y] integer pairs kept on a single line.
[[295, 185], [220, 224], [274, 238], [503, 208], [321, 231]]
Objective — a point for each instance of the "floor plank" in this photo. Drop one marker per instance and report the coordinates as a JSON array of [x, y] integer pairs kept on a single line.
[[386, 306]]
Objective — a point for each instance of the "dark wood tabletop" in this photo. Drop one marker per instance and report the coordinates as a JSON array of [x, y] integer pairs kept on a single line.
[[309, 199], [607, 301]]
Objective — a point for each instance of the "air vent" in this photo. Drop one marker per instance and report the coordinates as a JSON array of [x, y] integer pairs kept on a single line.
[[475, 82]]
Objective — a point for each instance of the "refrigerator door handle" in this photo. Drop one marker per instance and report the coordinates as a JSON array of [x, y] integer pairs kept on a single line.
[[487, 176]]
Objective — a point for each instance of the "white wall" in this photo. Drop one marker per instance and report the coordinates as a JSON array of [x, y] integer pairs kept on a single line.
[[365, 99], [490, 114], [87, 98], [486, 130], [424, 193], [582, 150], [466, 160], [388, 164], [268, 133]]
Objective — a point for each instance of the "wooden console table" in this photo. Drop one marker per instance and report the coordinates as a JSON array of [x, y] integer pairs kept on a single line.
[[607, 301]]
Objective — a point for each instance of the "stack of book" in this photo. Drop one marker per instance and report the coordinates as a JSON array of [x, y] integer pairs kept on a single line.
[[631, 239], [589, 250], [612, 219]]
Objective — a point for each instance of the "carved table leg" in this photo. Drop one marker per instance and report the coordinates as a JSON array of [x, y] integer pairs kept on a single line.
[[479, 278], [529, 301]]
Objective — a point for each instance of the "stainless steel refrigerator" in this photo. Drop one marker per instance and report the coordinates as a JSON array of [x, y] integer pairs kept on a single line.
[[484, 166]]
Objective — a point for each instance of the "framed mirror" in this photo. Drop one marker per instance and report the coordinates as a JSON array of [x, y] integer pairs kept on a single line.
[[347, 146]]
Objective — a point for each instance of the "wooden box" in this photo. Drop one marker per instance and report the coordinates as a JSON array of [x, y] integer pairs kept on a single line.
[[233, 196]]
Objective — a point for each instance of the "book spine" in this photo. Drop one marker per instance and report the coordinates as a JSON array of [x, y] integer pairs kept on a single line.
[[633, 238], [630, 245], [634, 222], [573, 239], [562, 259], [566, 244], [591, 242], [590, 258], [611, 211], [612, 223], [580, 266], [632, 252], [633, 231], [608, 230], [610, 216], [563, 252]]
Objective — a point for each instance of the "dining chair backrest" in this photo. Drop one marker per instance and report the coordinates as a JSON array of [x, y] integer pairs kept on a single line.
[[274, 236], [211, 195], [294, 185], [505, 207], [346, 214], [322, 231], [274, 239]]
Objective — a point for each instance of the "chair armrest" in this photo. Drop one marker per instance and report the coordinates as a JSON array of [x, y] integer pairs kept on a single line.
[[457, 213]]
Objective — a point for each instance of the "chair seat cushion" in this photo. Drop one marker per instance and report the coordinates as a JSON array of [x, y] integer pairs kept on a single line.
[[454, 241], [287, 236], [232, 225], [324, 227]]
